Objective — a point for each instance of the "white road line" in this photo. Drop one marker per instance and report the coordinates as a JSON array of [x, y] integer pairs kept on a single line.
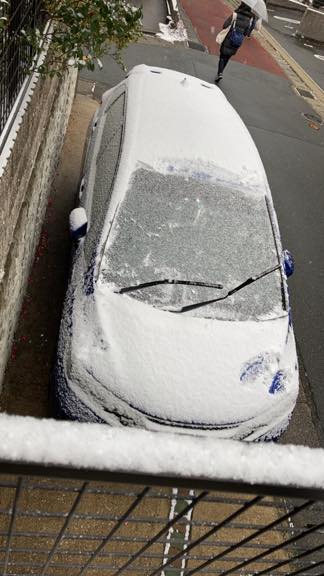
[[187, 532], [287, 19], [171, 516], [186, 535]]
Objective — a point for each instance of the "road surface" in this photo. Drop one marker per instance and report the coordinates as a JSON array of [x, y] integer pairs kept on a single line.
[[292, 153]]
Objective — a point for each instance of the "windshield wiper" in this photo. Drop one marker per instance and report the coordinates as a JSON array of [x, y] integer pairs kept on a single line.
[[229, 293], [218, 286], [168, 281]]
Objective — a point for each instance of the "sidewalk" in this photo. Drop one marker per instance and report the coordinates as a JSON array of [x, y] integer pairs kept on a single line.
[[154, 11], [208, 17]]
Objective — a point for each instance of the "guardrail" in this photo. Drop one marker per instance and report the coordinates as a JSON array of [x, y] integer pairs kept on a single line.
[[81, 499]]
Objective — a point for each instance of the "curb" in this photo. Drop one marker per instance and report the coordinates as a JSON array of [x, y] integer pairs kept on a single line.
[[193, 41]]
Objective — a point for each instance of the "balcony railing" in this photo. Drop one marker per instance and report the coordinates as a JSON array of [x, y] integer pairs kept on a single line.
[[15, 53], [81, 499]]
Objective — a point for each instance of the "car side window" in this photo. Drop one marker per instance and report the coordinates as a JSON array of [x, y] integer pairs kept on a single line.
[[106, 168]]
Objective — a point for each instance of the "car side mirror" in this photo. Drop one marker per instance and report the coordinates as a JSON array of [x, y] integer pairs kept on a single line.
[[78, 223], [288, 263]]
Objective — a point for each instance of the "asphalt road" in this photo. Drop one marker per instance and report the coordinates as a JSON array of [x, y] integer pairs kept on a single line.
[[292, 154]]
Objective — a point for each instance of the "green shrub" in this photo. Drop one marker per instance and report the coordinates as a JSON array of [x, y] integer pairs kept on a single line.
[[80, 31]]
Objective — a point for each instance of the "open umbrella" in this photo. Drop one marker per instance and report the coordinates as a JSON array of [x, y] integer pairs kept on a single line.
[[258, 7]]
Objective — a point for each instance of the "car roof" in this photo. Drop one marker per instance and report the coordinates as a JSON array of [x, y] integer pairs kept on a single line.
[[175, 116]]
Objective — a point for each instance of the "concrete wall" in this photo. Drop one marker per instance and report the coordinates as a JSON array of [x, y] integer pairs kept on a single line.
[[312, 25], [24, 188]]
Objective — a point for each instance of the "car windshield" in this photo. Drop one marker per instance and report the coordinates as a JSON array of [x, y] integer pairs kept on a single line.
[[187, 227]]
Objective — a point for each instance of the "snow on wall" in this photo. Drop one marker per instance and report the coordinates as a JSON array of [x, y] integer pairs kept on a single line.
[[96, 446]]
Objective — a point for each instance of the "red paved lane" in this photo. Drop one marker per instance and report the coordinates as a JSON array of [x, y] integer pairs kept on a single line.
[[207, 16]]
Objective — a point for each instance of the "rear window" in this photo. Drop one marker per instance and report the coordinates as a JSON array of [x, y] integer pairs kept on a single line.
[[175, 226]]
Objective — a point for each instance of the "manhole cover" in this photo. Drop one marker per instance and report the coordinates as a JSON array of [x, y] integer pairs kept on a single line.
[[305, 93], [313, 118]]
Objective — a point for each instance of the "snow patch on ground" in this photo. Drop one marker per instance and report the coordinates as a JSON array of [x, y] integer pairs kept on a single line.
[[172, 34]]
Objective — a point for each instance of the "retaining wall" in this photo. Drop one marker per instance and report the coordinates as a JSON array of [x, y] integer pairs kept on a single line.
[[312, 25], [290, 4], [24, 186]]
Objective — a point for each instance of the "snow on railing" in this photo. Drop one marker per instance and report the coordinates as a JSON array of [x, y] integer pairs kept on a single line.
[[127, 451], [78, 497]]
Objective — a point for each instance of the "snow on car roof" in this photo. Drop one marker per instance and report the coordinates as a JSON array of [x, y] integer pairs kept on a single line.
[[175, 115]]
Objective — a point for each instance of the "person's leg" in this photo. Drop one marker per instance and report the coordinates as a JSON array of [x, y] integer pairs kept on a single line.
[[223, 60], [226, 59]]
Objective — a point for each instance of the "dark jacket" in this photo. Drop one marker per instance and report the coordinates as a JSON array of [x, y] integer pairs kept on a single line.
[[244, 22]]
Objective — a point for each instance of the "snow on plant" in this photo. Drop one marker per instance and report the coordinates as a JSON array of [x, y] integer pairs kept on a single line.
[[81, 31]]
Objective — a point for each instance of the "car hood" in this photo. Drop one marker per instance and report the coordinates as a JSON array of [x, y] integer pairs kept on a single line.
[[175, 367]]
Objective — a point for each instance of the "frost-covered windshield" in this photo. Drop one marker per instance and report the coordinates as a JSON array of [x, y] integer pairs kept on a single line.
[[176, 226]]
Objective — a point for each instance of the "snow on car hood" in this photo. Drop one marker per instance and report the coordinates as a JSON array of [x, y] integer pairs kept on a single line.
[[173, 366]]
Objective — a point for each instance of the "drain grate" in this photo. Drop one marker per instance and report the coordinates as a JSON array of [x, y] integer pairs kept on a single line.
[[313, 118], [305, 93]]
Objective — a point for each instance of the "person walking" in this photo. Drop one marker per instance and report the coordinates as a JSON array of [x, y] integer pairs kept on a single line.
[[235, 28]]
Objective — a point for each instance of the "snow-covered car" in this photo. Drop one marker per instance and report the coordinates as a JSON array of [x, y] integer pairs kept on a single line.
[[177, 312]]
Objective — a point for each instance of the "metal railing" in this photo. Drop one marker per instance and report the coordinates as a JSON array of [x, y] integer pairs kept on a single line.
[[112, 519], [15, 53], [68, 527]]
